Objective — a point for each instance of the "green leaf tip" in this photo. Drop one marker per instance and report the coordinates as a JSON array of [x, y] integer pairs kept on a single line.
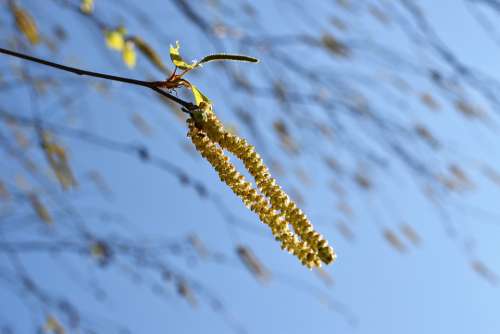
[[177, 59]]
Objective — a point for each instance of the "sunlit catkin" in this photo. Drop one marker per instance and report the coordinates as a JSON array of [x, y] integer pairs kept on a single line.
[[269, 202]]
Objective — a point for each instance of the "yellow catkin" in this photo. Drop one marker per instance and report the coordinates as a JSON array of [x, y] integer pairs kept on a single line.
[[270, 202], [267, 185]]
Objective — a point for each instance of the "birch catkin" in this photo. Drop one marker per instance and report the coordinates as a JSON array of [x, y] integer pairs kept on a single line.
[[268, 201]]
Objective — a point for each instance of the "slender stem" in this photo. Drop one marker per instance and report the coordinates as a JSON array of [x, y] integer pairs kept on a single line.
[[148, 84]]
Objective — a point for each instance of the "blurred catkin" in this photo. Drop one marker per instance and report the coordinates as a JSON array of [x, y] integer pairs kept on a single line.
[[25, 23]]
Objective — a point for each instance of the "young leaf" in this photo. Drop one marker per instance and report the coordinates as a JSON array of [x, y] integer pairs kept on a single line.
[[128, 54], [177, 59], [115, 39], [204, 104], [198, 96]]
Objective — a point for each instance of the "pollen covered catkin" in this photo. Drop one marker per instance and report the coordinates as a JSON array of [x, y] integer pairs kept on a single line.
[[268, 201]]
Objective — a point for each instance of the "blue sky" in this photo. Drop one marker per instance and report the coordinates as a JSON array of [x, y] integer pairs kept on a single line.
[[427, 289]]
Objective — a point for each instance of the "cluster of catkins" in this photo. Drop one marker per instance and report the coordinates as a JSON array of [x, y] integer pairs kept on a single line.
[[269, 202]]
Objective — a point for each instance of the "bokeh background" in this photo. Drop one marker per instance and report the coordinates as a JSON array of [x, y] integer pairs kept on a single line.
[[380, 118]]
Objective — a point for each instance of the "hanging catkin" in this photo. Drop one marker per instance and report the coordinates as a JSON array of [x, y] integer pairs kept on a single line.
[[268, 201]]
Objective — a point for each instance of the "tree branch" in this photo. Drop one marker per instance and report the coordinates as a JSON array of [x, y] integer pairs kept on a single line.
[[148, 84]]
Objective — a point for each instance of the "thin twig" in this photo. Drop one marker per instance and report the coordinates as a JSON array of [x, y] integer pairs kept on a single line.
[[148, 84]]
